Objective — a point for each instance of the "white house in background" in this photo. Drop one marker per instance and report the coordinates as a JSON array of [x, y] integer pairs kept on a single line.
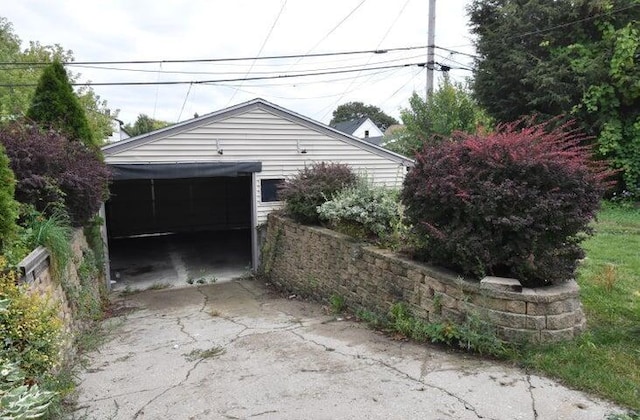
[[362, 128], [221, 171], [118, 132]]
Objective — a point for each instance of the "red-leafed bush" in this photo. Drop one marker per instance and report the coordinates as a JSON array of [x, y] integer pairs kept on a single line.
[[53, 173], [313, 186], [513, 203]]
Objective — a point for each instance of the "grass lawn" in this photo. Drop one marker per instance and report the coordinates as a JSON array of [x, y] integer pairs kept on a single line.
[[606, 359]]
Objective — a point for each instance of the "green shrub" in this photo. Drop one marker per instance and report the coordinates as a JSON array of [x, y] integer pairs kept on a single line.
[[365, 210], [513, 203], [29, 327], [18, 400], [313, 186], [8, 206], [53, 233]]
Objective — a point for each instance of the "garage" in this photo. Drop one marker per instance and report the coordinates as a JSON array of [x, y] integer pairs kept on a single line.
[[176, 224], [187, 201]]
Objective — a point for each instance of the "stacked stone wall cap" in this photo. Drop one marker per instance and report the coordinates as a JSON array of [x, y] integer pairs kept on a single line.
[[501, 284]]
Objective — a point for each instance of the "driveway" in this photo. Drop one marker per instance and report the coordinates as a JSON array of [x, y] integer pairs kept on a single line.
[[235, 350]]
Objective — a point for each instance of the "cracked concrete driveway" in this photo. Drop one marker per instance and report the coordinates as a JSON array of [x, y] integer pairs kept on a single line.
[[235, 351]]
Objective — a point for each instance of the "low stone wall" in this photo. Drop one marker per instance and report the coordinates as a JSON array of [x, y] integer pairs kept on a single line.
[[37, 273], [320, 263]]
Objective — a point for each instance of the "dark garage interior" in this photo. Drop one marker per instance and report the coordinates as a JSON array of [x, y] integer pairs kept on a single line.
[[181, 231]]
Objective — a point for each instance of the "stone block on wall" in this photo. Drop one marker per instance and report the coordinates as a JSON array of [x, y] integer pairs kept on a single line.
[[376, 279]]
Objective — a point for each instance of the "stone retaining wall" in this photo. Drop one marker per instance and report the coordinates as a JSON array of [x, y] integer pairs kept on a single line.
[[320, 263], [37, 273]]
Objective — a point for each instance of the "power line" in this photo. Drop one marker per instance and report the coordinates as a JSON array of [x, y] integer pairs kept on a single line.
[[337, 26], [456, 52], [539, 31], [564, 25], [377, 46], [275, 22], [216, 60], [136, 70], [214, 81]]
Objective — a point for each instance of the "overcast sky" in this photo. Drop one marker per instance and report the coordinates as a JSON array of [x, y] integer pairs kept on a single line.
[[174, 30]]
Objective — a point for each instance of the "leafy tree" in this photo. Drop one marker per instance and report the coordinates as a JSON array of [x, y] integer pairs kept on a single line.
[[573, 58], [450, 108], [15, 101], [55, 105], [144, 124], [8, 206], [354, 110], [99, 115]]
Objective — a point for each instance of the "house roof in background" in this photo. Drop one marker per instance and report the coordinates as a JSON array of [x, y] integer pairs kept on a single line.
[[350, 126]]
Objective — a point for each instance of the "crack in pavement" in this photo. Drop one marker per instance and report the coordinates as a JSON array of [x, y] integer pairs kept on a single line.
[[533, 399], [466, 404], [115, 414], [186, 378], [183, 331], [119, 395], [205, 300]]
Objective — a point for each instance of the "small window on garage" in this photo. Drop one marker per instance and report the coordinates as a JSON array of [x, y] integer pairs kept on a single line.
[[269, 189]]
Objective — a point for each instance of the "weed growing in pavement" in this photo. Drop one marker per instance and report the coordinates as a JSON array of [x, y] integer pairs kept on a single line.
[[472, 335], [128, 291], [631, 415], [159, 286], [338, 303], [200, 354]]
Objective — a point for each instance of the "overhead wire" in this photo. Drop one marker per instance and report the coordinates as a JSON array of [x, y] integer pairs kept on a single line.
[[240, 72], [185, 101], [377, 47], [214, 81], [275, 22], [344, 19]]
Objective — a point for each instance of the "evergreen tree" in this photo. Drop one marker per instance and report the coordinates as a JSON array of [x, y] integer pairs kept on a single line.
[[8, 206], [577, 59], [55, 105]]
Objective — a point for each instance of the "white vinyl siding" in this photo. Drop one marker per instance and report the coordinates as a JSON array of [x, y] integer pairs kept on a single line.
[[261, 136]]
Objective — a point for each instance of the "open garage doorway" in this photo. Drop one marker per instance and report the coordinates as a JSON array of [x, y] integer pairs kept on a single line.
[[179, 231]]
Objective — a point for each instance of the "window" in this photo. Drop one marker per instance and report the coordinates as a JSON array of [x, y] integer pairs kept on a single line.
[[269, 189], [366, 134]]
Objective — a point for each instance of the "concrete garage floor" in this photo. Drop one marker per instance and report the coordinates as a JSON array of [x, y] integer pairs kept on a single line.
[[179, 260], [236, 350]]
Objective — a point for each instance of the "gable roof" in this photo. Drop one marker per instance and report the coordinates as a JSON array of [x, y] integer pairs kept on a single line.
[[349, 127], [258, 103]]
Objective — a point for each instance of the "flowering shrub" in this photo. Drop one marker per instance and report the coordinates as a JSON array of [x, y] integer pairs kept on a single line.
[[312, 186], [374, 211], [29, 327], [54, 173], [514, 203]]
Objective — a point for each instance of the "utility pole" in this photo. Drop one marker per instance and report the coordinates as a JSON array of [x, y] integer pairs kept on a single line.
[[431, 39]]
